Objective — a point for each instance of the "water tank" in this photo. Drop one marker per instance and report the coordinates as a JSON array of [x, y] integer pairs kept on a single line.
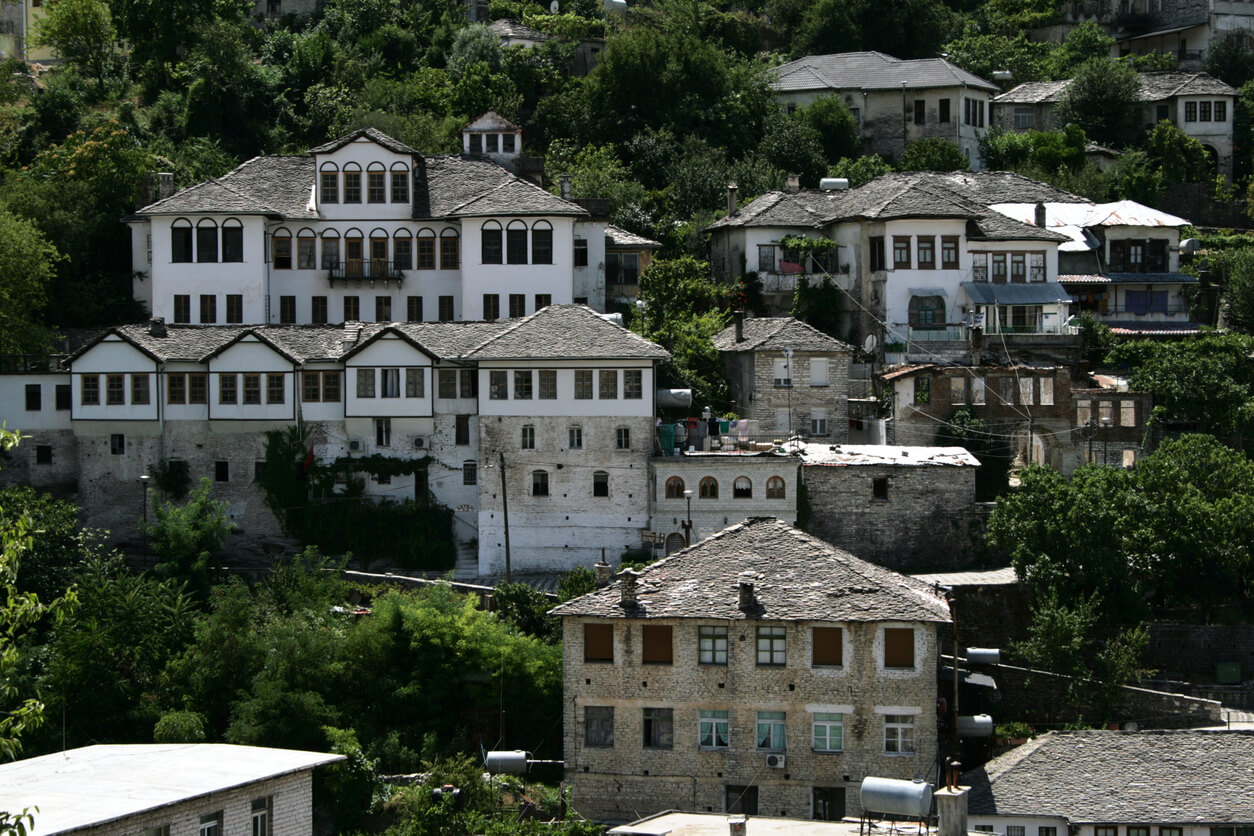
[[618, 6], [983, 656], [674, 398], [831, 184], [615, 318], [975, 725], [895, 797], [511, 763]]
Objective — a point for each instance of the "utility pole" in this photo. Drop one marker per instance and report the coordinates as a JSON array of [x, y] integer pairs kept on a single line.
[[505, 515]]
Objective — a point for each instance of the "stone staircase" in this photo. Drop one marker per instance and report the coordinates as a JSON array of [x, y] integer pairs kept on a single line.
[[467, 565]]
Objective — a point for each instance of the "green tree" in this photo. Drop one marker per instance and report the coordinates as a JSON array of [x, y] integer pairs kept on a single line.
[[860, 170], [62, 548], [819, 305], [993, 450], [1103, 99], [184, 537], [526, 608], [1086, 42], [27, 264], [985, 54], [81, 31], [836, 126], [793, 145], [1238, 288], [475, 44], [932, 153], [1230, 60], [1179, 157]]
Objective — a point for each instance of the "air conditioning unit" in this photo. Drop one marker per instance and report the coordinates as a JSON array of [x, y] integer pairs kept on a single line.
[[420, 442], [775, 761], [355, 445]]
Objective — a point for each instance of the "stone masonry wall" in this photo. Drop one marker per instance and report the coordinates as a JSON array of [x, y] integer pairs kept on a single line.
[[627, 780], [801, 397], [930, 519]]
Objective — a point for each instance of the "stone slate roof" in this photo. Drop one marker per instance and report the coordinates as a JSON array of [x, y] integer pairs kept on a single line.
[[872, 71], [618, 237], [1112, 777], [796, 577], [997, 227], [777, 333], [491, 120], [1154, 88], [512, 29], [371, 134], [278, 186], [924, 194], [456, 187], [565, 331]]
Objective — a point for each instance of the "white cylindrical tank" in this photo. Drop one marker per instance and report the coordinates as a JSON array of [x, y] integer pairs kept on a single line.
[[507, 762], [673, 398], [975, 725], [983, 655], [831, 184], [896, 797]]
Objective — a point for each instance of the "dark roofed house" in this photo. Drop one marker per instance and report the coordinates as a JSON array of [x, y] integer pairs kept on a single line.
[[940, 98], [1113, 783], [769, 668]]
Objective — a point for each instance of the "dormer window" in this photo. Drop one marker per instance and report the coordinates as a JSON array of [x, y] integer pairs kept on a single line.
[[507, 143], [476, 143]]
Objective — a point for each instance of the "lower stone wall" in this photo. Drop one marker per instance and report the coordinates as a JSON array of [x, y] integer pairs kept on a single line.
[[1191, 652], [621, 798]]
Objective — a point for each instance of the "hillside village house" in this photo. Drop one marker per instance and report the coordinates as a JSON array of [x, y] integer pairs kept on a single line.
[[364, 228], [181, 789], [760, 671], [895, 101], [1201, 106], [564, 395], [1110, 783]]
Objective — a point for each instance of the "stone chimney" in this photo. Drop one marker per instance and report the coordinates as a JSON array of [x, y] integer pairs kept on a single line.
[[165, 184], [951, 810], [747, 599], [793, 184], [1040, 215], [731, 199], [565, 187], [739, 318], [627, 582], [156, 327], [350, 334], [603, 571]]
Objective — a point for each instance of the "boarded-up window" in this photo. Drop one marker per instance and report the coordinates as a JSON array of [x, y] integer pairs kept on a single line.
[[827, 647], [898, 647], [598, 643], [657, 645]]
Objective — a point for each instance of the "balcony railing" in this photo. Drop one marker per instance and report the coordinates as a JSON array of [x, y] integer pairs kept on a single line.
[[936, 333], [366, 268]]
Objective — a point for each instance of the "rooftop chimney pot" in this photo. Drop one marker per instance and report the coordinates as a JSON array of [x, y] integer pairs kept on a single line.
[[627, 580], [565, 187], [793, 184], [747, 599], [156, 327], [731, 199], [602, 570], [1040, 215], [739, 318]]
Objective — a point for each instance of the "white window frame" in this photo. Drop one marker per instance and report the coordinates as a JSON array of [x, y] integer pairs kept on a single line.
[[827, 721], [711, 645], [899, 734], [772, 731], [714, 725], [773, 642]]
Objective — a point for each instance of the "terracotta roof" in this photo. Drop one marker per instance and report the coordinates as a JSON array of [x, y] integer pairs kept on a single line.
[[777, 333], [1112, 777], [565, 331], [796, 577], [872, 71]]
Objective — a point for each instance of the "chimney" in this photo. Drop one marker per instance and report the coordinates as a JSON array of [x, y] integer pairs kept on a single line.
[[731, 199], [736, 826], [747, 599], [156, 327], [1040, 215], [565, 187], [951, 808], [627, 580], [739, 318], [348, 337], [602, 570], [793, 184], [165, 184]]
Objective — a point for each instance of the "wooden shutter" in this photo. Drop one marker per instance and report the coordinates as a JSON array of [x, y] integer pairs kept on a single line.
[[828, 646], [898, 647], [656, 645], [598, 642]]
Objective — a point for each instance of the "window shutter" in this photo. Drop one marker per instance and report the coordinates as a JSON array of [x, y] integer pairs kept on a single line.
[[657, 645], [598, 643], [898, 647], [828, 648]]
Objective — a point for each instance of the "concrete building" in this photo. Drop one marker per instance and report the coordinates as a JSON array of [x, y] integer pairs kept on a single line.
[[627, 255], [906, 508], [1111, 783], [895, 101], [1201, 106], [788, 376], [761, 671], [184, 789]]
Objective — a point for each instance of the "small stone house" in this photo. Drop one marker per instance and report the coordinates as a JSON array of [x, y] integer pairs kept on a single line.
[[177, 789], [789, 376], [770, 670]]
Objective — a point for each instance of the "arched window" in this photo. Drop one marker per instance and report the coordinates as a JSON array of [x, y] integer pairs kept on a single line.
[[376, 183], [352, 183], [329, 184], [403, 249], [927, 312], [206, 241], [281, 249], [379, 253], [542, 243], [674, 488], [426, 249], [516, 243], [181, 241], [306, 249], [742, 488], [400, 183], [600, 483], [331, 250], [450, 250], [775, 488], [232, 240], [674, 542], [539, 483], [354, 254], [708, 489], [491, 243]]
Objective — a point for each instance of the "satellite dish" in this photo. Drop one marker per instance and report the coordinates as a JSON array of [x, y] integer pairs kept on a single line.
[[870, 343], [554, 6]]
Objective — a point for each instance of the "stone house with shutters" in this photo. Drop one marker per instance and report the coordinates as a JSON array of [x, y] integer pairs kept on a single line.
[[788, 376], [180, 789], [760, 671]]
